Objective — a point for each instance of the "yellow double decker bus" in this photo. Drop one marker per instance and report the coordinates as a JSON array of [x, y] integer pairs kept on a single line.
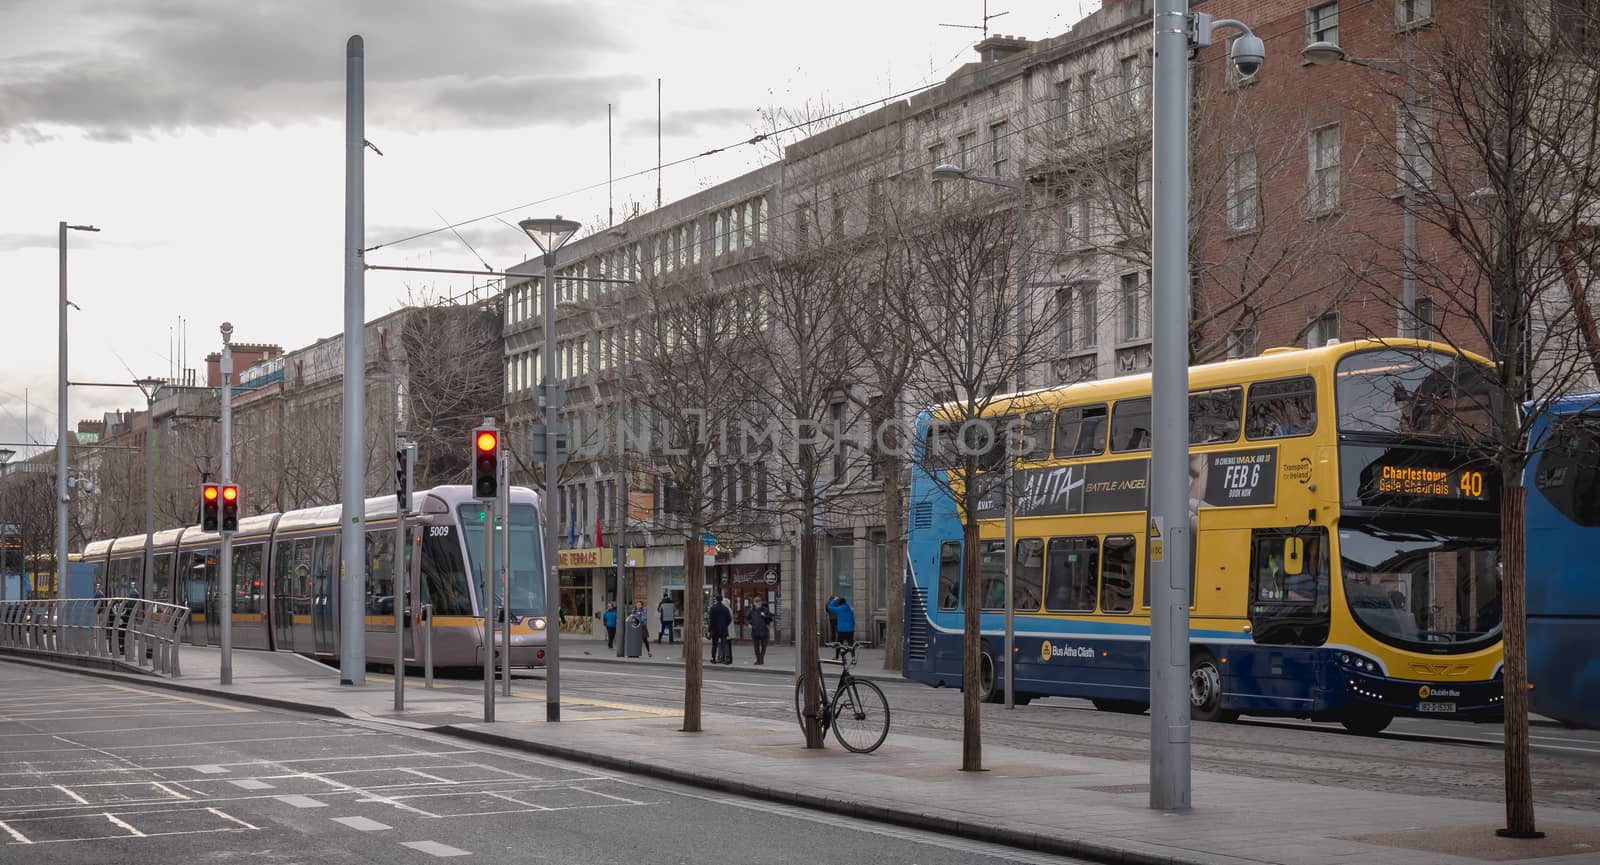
[[1346, 555]]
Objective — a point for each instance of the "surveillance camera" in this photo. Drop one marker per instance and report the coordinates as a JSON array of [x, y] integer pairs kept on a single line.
[[227, 328], [1247, 54]]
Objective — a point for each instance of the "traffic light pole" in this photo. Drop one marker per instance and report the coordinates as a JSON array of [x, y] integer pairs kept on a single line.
[[503, 532], [488, 610], [406, 452], [225, 563]]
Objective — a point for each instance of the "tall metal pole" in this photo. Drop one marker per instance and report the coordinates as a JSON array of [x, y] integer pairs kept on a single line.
[[61, 419], [149, 498], [619, 542], [1011, 565], [1169, 458], [1021, 280], [225, 563], [352, 517], [488, 610], [552, 670], [503, 540], [406, 450]]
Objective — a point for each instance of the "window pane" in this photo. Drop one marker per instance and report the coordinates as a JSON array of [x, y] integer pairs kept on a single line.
[[1028, 575], [1071, 574], [1214, 415], [1282, 408], [1413, 393], [1036, 436], [1116, 574], [949, 575], [1130, 425], [1080, 431], [992, 567]]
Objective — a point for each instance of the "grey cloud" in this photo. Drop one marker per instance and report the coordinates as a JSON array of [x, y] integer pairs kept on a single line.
[[164, 65], [692, 122], [13, 242]]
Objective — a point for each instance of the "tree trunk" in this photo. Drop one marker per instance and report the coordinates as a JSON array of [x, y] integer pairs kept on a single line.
[[1519, 775], [971, 644], [894, 602], [694, 582], [807, 657]]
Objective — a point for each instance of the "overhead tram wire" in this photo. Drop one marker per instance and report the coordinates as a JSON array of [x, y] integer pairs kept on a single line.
[[763, 136]]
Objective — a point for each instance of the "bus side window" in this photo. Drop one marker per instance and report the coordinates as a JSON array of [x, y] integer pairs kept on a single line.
[[1280, 409], [1130, 425], [992, 566], [1029, 575], [1071, 575], [1036, 436], [949, 575], [1116, 574], [1081, 431], [1214, 415]]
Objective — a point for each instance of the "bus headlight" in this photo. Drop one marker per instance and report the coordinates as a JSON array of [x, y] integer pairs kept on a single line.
[[538, 624]]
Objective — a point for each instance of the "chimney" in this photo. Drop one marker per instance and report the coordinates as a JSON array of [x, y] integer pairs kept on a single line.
[[997, 48]]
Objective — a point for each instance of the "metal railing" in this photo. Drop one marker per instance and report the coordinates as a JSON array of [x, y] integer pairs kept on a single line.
[[130, 632]]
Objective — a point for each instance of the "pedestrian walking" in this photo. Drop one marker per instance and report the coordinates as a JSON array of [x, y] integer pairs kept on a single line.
[[642, 619], [720, 619], [609, 619], [839, 608], [668, 611], [760, 619]]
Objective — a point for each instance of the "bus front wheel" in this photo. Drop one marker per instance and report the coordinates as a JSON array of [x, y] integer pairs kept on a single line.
[[1367, 723], [987, 692], [1205, 689]]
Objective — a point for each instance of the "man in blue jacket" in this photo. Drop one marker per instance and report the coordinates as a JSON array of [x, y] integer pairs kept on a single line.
[[840, 608]]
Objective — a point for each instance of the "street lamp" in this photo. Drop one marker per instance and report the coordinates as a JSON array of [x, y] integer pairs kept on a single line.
[[151, 387], [61, 404], [5, 463], [947, 171], [550, 235], [1322, 53]]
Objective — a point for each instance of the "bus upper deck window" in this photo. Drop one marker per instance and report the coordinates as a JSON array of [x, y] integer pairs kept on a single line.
[[1130, 425], [1081, 431], [1281, 409]]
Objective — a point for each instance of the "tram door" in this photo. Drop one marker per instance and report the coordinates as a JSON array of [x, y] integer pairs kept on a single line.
[[325, 557], [198, 585]]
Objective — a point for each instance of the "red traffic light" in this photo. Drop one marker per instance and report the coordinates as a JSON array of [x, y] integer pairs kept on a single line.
[[487, 441], [230, 493], [210, 492]]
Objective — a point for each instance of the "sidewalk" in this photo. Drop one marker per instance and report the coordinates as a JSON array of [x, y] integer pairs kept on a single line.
[[1053, 803]]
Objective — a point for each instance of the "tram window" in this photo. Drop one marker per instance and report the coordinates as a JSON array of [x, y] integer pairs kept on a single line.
[[1073, 567], [1028, 575], [1130, 425], [1214, 415], [1036, 435], [444, 572], [949, 575], [992, 567], [1280, 409], [1081, 431], [1116, 574], [161, 580], [292, 584], [380, 573], [247, 579]]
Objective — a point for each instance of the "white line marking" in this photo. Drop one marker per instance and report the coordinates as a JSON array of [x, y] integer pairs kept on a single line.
[[75, 797], [434, 848], [607, 795], [251, 784], [169, 791], [421, 774], [15, 835], [232, 818], [362, 824], [301, 801], [122, 824]]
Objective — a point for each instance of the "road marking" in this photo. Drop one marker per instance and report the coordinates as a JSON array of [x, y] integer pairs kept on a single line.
[[301, 801], [15, 835], [607, 795], [223, 706], [251, 784], [123, 824], [434, 848], [231, 818], [75, 797], [169, 791], [362, 824], [206, 770], [421, 774]]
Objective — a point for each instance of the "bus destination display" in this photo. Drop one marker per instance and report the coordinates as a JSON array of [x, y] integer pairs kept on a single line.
[[1430, 482]]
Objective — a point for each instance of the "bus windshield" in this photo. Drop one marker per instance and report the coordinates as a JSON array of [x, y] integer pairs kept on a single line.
[[1414, 393], [1420, 589], [527, 565]]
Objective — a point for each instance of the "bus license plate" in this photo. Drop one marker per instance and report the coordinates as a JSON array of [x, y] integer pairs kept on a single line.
[[1436, 707]]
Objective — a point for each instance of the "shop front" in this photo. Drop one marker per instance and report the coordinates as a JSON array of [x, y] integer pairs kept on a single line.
[[588, 581]]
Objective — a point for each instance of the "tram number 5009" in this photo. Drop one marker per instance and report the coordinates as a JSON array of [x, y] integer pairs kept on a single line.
[[438, 531]]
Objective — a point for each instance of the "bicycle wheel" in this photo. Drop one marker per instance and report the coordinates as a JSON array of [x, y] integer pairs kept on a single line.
[[800, 708], [860, 716]]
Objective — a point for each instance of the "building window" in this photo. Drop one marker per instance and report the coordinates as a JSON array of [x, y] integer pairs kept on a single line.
[[874, 203], [749, 225], [1322, 328], [1077, 325], [964, 147], [1323, 195], [1129, 97], [1576, 23], [1133, 303], [1408, 12], [1413, 129], [1242, 192], [935, 159], [761, 219], [1000, 148], [1241, 342], [1424, 318], [1064, 97], [1322, 23], [836, 227], [1085, 97]]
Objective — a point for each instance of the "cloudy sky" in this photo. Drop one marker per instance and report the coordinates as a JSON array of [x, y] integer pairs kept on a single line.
[[205, 139]]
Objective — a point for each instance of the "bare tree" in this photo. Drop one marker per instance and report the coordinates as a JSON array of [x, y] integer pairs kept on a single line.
[[1502, 156], [965, 320], [454, 378]]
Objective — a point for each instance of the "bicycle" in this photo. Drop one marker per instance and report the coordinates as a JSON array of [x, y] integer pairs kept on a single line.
[[857, 711]]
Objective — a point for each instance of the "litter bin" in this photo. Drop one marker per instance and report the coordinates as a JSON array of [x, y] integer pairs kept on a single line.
[[632, 637]]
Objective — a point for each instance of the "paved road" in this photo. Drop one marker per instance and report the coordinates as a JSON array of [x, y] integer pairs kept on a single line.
[[96, 772], [1566, 763]]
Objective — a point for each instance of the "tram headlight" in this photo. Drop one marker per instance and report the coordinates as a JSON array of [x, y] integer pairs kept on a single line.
[[538, 624]]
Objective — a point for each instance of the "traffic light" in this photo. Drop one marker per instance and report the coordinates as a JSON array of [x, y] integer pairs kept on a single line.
[[405, 463], [485, 463], [210, 496], [230, 508]]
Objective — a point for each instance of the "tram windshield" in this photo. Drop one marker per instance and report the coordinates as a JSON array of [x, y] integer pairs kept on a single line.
[[1422, 589], [527, 566]]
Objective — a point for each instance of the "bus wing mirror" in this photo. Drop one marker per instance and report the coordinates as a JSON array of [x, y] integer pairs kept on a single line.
[[1294, 556]]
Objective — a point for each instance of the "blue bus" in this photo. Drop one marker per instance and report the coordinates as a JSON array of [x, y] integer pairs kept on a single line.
[[1563, 519]]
